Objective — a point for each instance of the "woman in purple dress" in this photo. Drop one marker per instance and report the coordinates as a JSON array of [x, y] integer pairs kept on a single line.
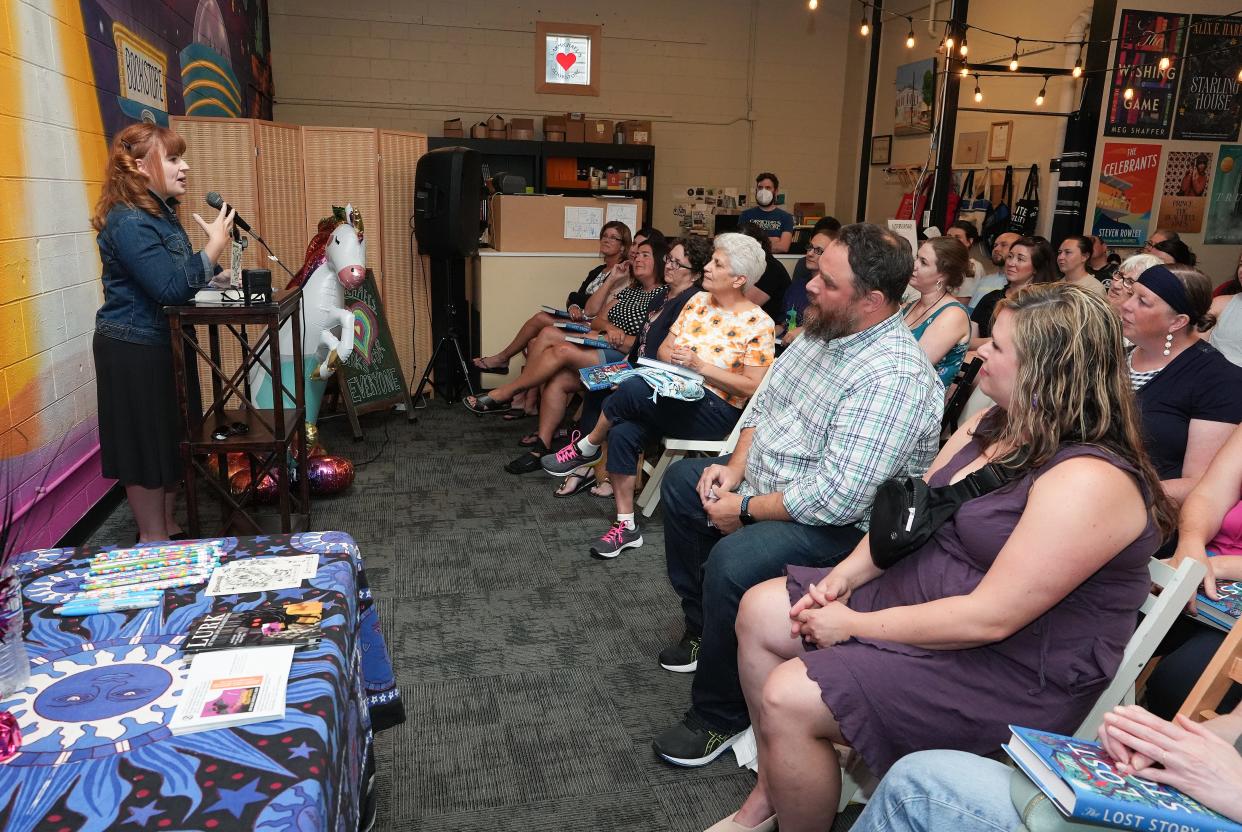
[[1016, 610]]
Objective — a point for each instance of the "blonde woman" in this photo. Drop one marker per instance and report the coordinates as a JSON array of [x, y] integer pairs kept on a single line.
[[972, 631]]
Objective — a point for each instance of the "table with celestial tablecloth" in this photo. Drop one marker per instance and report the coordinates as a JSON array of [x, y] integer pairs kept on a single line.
[[96, 750]]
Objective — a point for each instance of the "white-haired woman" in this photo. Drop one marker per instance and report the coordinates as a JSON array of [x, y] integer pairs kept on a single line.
[[1130, 269], [720, 335]]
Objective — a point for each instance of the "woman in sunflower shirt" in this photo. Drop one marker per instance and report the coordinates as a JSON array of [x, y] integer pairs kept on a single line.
[[720, 335]]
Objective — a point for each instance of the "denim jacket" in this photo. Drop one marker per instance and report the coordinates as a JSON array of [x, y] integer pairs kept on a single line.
[[148, 264]]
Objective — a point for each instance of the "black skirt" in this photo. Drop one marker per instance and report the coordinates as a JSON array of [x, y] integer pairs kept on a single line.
[[139, 423]]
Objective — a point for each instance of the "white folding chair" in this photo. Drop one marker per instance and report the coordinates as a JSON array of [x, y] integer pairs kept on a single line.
[[675, 449]]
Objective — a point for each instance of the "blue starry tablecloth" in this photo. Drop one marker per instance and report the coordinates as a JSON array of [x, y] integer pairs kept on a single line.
[[96, 750]]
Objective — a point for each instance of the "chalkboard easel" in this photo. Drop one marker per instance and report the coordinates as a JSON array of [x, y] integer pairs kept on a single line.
[[372, 378]]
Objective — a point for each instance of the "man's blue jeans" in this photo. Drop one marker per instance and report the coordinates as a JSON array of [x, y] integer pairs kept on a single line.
[[929, 791], [711, 572]]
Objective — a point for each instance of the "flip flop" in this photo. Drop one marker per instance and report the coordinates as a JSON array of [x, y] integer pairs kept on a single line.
[[598, 485], [516, 413], [585, 481], [484, 405], [503, 368], [530, 440]]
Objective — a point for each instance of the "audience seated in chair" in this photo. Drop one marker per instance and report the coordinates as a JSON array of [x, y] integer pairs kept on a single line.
[[937, 320], [1030, 261], [1073, 261], [793, 317], [1017, 610], [768, 290], [850, 404], [1129, 270], [1189, 395], [932, 791], [623, 319], [586, 302], [683, 273], [720, 335], [1227, 309], [1210, 522]]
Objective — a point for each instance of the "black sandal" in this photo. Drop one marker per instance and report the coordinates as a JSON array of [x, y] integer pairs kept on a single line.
[[530, 440], [585, 481], [484, 405], [528, 462], [502, 369]]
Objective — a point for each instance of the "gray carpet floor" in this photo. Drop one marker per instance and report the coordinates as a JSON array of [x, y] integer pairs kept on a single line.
[[528, 668]]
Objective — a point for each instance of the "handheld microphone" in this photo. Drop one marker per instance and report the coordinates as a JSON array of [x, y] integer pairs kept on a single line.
[[216, 201]]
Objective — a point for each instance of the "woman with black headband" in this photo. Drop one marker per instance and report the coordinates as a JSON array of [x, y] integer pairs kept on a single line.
[[1190, 396]]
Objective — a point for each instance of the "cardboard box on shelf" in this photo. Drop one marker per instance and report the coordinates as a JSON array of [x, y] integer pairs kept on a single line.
[[575, 127], [599, 130], [637, 132], [453, 128], [478, 131], [562, 172], [554, 128], [538, 223], [522, 128]]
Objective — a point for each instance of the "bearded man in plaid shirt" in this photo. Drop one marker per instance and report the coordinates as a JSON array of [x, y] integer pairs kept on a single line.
[[851, 403]]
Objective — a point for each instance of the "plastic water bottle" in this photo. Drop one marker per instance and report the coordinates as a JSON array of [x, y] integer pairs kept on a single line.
[[14, 663]]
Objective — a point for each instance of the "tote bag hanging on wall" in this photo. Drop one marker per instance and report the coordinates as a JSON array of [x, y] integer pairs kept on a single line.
[[914, 202], [998, 222], [975, 206], [1026, 211]]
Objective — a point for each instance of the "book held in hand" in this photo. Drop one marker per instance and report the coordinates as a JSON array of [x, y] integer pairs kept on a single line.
[[226, 688], [1223, 613], [556, 313], [672, 368], [572, 327], [295, 623], [1079, 777], [594, 343], [600, 377]]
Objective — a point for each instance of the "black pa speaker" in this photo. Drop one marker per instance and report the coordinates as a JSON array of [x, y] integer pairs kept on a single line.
[[448, 188]]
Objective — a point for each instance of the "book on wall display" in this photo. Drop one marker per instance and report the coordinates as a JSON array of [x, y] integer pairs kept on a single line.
[[601, 376], [1080, 779], [293, 623], [226, 688]]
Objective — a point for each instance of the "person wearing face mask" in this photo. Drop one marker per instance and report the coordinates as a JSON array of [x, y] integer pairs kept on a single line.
[[1072, 260], [148, 263], [777, 224]]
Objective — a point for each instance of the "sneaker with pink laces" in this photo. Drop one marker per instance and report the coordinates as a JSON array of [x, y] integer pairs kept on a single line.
[[616, 540], [564, 461]]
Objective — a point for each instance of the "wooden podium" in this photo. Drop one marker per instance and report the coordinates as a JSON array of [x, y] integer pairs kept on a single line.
[[274, 439]]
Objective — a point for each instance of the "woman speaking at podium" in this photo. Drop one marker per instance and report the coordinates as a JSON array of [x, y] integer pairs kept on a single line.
[[148, 263]]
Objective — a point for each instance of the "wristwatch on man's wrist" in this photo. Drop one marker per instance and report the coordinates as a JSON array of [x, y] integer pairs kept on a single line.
[[744, 514]]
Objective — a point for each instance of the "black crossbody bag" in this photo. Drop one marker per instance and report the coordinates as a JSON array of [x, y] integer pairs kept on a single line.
[[907, 511]]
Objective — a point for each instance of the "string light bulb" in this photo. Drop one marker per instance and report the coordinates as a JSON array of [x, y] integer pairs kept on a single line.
[[1128, 92], [864, 29], [1165, 63], [1077, 73], [1013, 62], [966, 69], [1240, 74], [978, 92], [964, 48], [910, 36], [1043, 93], [812, 4], [948, 44]]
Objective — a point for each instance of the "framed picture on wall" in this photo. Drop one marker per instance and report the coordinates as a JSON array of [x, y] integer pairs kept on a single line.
[[999, 138], [567, 60], [881, 149], [915, 101]]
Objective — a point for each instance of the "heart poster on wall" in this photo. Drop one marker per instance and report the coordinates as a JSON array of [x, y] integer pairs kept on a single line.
[[567, 58]]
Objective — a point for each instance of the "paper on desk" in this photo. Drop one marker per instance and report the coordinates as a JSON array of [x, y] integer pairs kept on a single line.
[[583, 223], [233, 687], [262, 574], [626, 213]]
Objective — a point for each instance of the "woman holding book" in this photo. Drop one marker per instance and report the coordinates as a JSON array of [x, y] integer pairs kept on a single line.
[[602, 282], [683, 273], [1016, 610], [623, 317], [148, 263], [935, 790], [1209, 531], [726, 340]]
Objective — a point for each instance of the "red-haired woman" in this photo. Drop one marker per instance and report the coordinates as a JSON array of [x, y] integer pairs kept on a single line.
[[148, 263]]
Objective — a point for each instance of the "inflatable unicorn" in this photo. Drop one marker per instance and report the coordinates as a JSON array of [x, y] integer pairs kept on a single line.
[[334, 262]]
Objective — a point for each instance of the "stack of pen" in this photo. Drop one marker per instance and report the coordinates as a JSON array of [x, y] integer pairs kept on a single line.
[[126, 579]]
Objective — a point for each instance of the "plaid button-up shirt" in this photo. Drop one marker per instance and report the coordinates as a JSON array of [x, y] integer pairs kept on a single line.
[[840, 417]]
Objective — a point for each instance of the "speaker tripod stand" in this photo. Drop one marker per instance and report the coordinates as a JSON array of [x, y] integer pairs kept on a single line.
[[453, 375]]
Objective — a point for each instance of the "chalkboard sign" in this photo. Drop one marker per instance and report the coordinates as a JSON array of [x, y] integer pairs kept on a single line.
[[371, 379]]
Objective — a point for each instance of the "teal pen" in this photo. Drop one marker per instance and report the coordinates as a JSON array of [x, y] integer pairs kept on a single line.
[[137, 602]]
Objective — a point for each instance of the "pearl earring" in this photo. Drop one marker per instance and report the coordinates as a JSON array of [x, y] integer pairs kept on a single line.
[[1168, 343]]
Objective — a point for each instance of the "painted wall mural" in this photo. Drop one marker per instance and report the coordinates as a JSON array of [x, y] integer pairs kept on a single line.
[[81, 70]]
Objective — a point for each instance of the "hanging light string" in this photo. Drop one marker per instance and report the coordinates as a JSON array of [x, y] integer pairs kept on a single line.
[[886, 16]]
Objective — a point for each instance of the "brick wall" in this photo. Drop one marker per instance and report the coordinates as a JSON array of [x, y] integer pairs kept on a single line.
[[687, 66]]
